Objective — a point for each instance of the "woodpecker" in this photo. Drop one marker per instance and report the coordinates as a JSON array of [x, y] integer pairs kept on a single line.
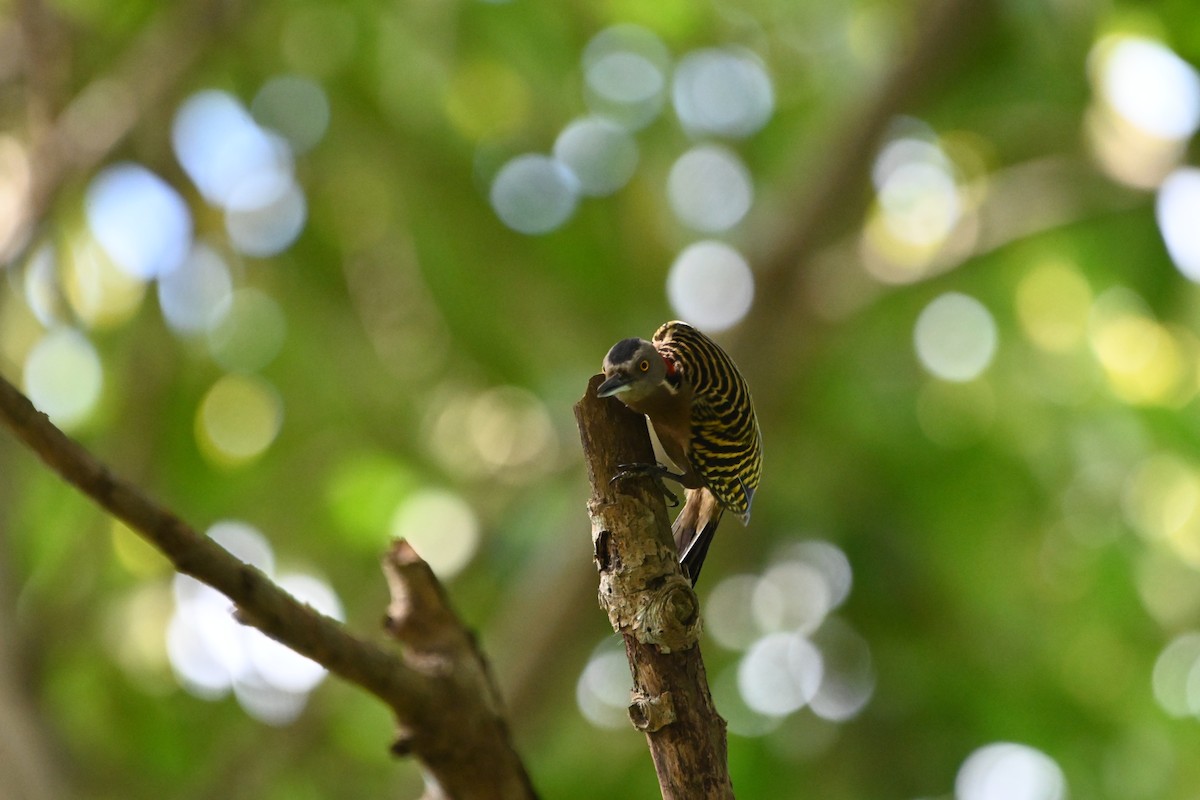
[[701, 411]]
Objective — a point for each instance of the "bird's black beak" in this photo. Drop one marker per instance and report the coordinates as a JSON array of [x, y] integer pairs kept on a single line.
[[614, 385]]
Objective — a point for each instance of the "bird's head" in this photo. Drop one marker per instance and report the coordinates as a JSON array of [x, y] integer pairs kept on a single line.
[[633, 369]]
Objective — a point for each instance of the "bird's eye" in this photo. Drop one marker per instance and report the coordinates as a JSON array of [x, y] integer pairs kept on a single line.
[[644, 366]]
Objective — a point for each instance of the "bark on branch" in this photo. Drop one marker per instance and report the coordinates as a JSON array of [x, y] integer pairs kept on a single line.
[[651, 605], [437, 684]]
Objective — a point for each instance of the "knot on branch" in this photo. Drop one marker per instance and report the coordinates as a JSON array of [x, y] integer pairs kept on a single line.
[[670, 616], [646, 595], [650, 714]]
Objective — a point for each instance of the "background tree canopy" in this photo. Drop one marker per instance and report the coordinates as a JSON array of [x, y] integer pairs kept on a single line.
[[318, 274]]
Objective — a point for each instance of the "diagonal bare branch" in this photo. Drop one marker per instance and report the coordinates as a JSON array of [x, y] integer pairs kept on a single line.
[[438, 684]]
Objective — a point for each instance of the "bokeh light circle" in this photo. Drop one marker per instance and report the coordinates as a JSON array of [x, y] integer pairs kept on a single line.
[[534, 194], [16, 176], [710, 285], [247, 330], [710, 189], [1176, 676], [266, 703], [955, 337], [729, 612], [63, 377], [211, 653], [625, 75], [780, 674], [193, 296], [441, 527], [792, 595], [1150, 86], [920, 203], [1008, 771], [848, 679], [195, 661], [599, 153], [722, 92], [265, 214], [99, 291], [238, 419], [1053, 302], [1178, 212], [831, 561], [42, 289], [602, 691], [1144, 361], [295, 107], [140, 220], [221, 147], [511, 433], [742, 720]]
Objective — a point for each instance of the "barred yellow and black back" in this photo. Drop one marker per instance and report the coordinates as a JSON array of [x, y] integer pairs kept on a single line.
[[726, 446]]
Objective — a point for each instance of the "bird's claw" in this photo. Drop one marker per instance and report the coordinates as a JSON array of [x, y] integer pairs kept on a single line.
[[656, 472], [671, 498]]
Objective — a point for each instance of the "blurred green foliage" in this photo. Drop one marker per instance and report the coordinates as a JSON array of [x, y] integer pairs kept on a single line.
[[1024, 545]]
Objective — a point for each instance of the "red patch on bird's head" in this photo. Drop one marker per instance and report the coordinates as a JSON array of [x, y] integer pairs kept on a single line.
[[670, 362]]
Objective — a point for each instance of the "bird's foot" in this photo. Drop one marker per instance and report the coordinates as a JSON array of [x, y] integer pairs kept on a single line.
[[656, 472]]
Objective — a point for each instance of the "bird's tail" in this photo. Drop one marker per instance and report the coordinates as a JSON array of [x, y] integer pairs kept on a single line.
[[694, 529]]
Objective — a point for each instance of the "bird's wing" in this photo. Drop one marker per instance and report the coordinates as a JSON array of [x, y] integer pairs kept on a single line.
[[727, 466], [725, 446]]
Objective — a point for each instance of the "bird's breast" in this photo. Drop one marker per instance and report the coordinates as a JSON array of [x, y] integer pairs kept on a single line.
[[669, 412], [670, 415]]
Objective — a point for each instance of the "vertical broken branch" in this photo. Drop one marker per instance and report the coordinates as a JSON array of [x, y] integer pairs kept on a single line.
[[651, 604]]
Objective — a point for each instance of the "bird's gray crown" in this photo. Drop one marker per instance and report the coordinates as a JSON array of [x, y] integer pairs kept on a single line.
[[623, 351]]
